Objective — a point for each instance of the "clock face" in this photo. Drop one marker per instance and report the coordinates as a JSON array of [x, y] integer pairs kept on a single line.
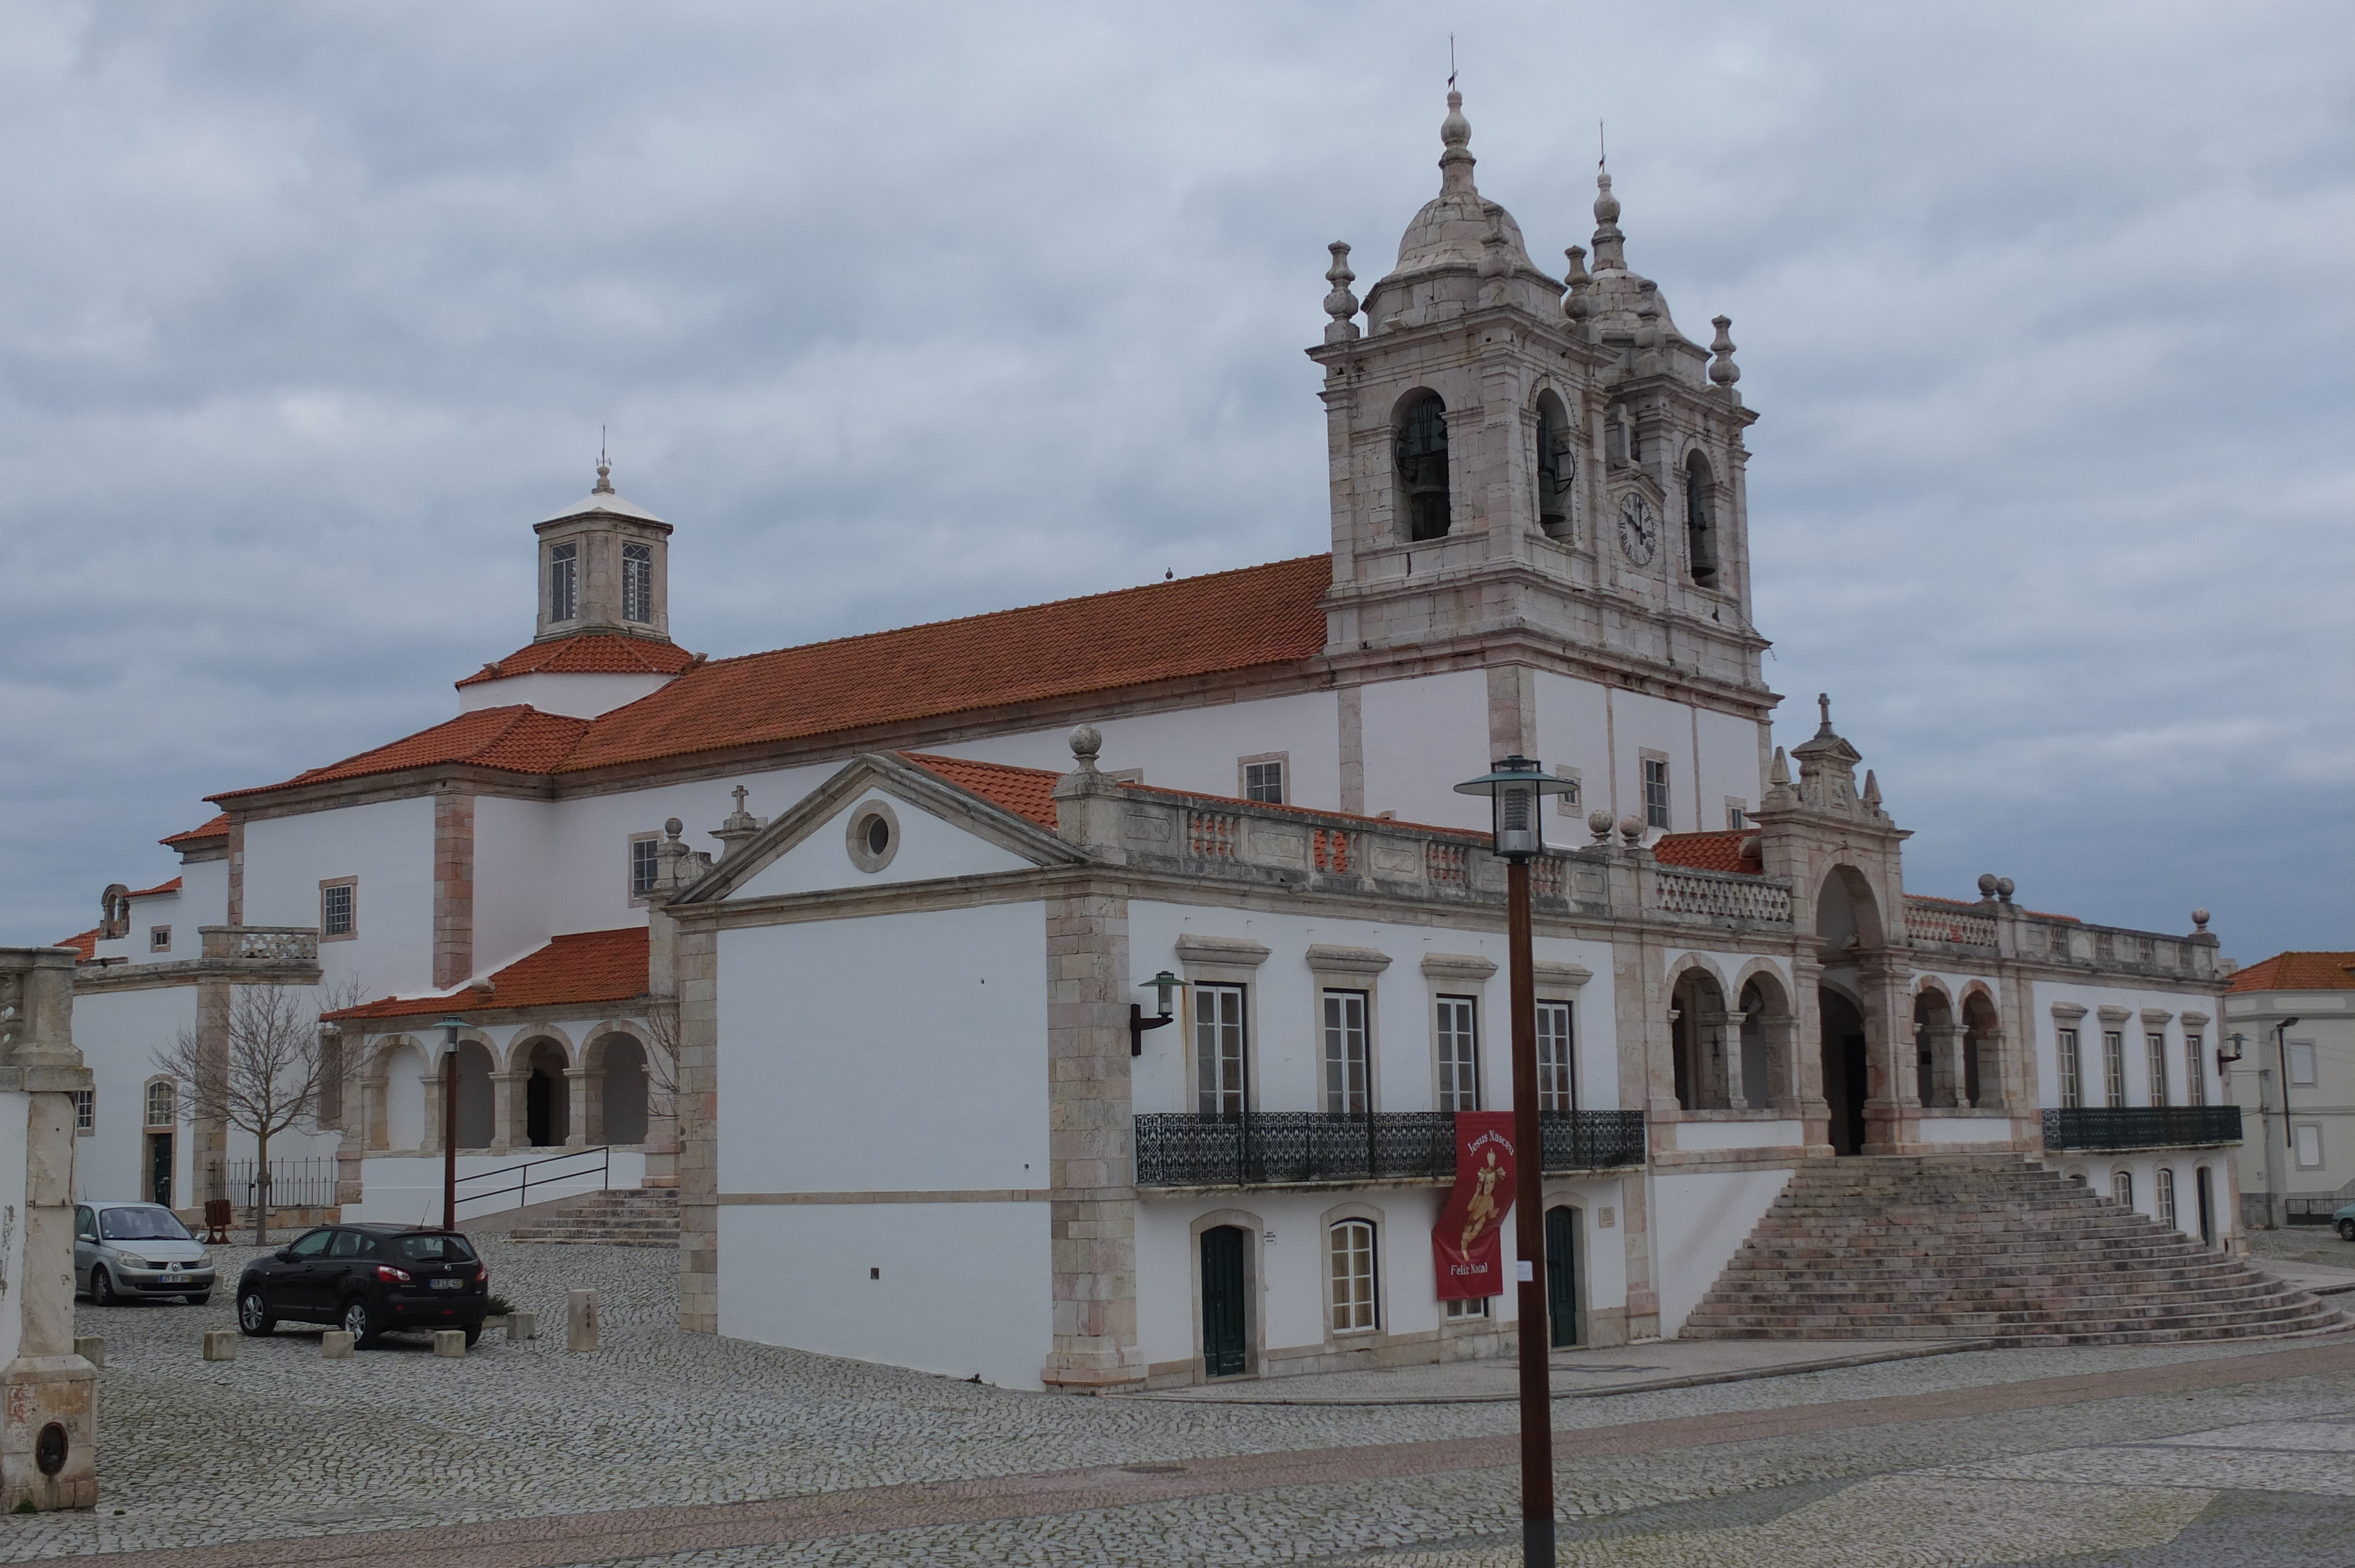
[[1639, 530]]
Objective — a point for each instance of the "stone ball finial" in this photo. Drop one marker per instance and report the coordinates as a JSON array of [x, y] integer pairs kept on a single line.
[[673, 827], [1722, 371], [1340, 304], [1987, 885], [1631, 830], [1087, 741], [2004, 888], [1598, 822], [1606, 205], [2199, 919], [1456, 130]]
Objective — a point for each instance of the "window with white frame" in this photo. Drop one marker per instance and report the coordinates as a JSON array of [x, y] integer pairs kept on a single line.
[[2309, 1146], [1263, 779], [2301, 1061], [2114, 1066], [1219, 1062], [1737, 815], [2157, 1042], [1656, 792], [1351, 1247], [1474, 1307], [85, 1110], [2195, 1072], [638, 583], [1348, 1091], [2166, 1197], [163, 1100], [1457, 1029], [339, 908], [1557, 1066], [2122, 1188], [645, 863], [2072, 1070], [563, 581]]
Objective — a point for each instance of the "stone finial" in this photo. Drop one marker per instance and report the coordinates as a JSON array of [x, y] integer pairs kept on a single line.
[[1779, 772], [1576, 305], [2199, 921], [1455, 162], [1987, 885], [673, 828], [1631, 830], [1340, 304], [2004, 888], [1610, 245], [605, 485], [1824, 708], [1722, 372], [1871, 796], [738, 827], [1087, 743], [1598, 822]]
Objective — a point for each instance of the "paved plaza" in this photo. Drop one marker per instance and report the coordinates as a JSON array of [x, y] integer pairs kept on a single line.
[[678, 1449]]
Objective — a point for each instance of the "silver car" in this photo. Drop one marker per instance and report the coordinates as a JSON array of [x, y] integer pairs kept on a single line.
[[122, 1250]]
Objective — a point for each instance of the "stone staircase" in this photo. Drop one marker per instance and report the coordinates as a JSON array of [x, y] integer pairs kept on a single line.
[[620, 1216], [1983, 1248]]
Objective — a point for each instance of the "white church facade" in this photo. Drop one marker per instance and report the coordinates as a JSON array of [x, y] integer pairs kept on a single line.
[[895, 1042]]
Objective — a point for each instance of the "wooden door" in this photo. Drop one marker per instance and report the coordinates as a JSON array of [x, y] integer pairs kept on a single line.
[[1561, 1275], [159, 1168], [1225, 1351]]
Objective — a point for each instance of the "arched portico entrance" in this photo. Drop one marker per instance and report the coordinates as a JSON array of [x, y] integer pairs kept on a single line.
[[547, 1105], [1846, 1078]]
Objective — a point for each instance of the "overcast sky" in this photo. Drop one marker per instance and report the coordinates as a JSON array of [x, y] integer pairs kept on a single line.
[[308, 310]]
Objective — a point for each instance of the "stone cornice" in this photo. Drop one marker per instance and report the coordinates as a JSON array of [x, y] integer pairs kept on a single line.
[[91, 979]]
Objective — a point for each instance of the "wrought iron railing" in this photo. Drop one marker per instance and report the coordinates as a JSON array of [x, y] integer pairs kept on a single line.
[[305, 1182], [2141, 1127], [1178, 1149], [570, 1169], [2312, 1211]]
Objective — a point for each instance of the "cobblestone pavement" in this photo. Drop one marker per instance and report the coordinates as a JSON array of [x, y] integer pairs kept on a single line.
[[523, 1454]]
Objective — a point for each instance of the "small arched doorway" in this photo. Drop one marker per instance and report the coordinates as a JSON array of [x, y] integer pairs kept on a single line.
[[1561, 1276], [1845, 1076], [623, 1072], [547, 1110], [1226, 1347]]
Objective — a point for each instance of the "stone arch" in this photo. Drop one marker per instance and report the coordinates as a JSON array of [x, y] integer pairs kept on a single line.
[[395, 1092], [519, 1044], [1700, 510], [1983, 1064], [1770, 1034], [1254, 1235], [618, 1093], [1846, 1069], [1937, 1045], [1555, 474], [1703, 1045], [1420, 465], [541, 1108], [1848, 915]]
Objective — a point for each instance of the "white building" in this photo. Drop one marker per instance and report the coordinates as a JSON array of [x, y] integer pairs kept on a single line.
[[881, 1046], [2290, 1031]]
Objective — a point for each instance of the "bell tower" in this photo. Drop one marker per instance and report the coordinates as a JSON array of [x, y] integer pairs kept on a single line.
[[604, 567], [1533, 473]]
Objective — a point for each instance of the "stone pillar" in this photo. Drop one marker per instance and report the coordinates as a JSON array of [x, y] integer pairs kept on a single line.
[[1892, 1107], [1945, 1046], [1807, 1052], [454, 888], [1091, 1144], [580, 1105], [1643, 1296], [1719, 1034], [48, 1394], [209, 1135], [696, 964], [429, 1083], [503, 1111]]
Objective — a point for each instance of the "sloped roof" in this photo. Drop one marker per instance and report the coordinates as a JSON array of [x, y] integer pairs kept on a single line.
[[584, 969], [84, 944], [171, 886], [2298, 971], [216, 829], [590, 653], [516, 739], [1719, 851], [1027, 792]]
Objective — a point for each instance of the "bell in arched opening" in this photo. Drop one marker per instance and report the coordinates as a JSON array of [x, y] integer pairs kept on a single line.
[[1701, 520], [1557, 470], [1422, 467]]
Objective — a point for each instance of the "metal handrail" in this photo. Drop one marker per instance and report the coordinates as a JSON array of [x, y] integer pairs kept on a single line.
[[1176, 1148], [605, 1168]]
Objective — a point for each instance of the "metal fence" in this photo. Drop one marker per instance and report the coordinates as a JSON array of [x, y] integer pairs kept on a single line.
[[2312, 1211], [303, 1183], [2141, 1127], [1176, 1148]]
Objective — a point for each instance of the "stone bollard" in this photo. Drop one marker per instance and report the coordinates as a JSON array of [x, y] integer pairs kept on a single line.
[[581, 1320], [450, 1342], [91, 1347], [221, 1344], [335, 1345], [522, 1326]]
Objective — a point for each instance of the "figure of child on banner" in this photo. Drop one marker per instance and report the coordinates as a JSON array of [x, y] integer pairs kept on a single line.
[[1467, 1256]]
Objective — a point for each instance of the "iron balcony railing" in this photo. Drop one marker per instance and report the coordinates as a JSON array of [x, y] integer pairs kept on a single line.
[[2141, 1127], [303, 1182], [1179, 1149]]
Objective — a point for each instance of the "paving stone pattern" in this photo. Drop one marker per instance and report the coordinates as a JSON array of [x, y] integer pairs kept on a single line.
[[317, 1463]]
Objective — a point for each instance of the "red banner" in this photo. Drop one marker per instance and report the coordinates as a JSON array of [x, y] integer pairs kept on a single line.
[[1466, 1255]]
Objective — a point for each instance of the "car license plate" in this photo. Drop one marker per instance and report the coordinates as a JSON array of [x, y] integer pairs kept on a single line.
[[448, 1284]]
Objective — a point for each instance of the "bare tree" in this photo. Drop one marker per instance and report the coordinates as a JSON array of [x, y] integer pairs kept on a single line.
[[662, 1066], [265, 1075]]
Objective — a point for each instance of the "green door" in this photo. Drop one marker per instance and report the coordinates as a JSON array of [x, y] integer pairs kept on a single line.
[[159, 1168], [1561, 1275], [1223, 1350]]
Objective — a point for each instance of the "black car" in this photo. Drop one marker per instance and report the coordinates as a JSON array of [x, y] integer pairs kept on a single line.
[[368, 1280]]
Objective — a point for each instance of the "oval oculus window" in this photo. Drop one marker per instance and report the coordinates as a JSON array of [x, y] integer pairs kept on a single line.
[[874, 835]]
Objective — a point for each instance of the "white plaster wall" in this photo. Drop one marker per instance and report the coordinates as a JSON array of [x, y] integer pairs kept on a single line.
[[1699, 1221], [118, 1033], [1965, 1129], [580, 695], [957, 1288], [929, 849], [1573, 731], [407, 1189], [1728, 746], [1691, 1135], [897, 1052], [1197, 748], [404, 1098], [2092, 998], [1287, 1040], [2097, 1169], [514, 847], [15, 1112], [204, 901], [1423, 738], [388, 846], [1697, 775]]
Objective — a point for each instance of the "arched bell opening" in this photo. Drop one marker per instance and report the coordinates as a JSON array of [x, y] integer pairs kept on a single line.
[[1557, 468], [1422, 462]]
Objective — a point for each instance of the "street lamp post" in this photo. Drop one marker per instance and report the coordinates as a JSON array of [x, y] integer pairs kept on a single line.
[[1516, 787], [450, 1028], [2281, 1047]]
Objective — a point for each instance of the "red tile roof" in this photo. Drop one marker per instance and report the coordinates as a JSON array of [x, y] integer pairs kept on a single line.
[[171, 886], [1719, 851], [1024, 792], [515, 739], [85, 946], [2298, 971], [580, 969], [600, 653], [216, 829]]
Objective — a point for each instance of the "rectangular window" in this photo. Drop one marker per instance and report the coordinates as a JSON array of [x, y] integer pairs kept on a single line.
[[162, 1101], [2113, 1068], [2309, 1146], [1477, 1307], [638, 583], [2122, 1188], [1459, 1054], [1352, 1252], [339, 909], [1571, 799], [645, 863], [1737, 815], [1557, 1067], [85, 1110], [1656, 792], [563, 581], [2195, 1072], [2167, 1198], [2301, 1061], [1347, 1091], [1219, 1063], [2158, 1045], [159, 939], [2073, 1071], [1263, 779]]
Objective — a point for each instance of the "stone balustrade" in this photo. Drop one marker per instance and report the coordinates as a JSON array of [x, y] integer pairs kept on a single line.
[[1947, 923], [295, 943], [1683, 893]]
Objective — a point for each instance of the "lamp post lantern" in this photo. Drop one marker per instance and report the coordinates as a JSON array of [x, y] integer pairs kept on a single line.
[[1163, 984], [1516, 787], [450, 1028]]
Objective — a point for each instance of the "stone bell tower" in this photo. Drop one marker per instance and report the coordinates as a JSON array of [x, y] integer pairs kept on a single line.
[[604, 567], [1533, 473]]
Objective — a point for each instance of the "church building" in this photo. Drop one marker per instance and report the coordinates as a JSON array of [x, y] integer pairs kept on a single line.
[[853, 946]]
